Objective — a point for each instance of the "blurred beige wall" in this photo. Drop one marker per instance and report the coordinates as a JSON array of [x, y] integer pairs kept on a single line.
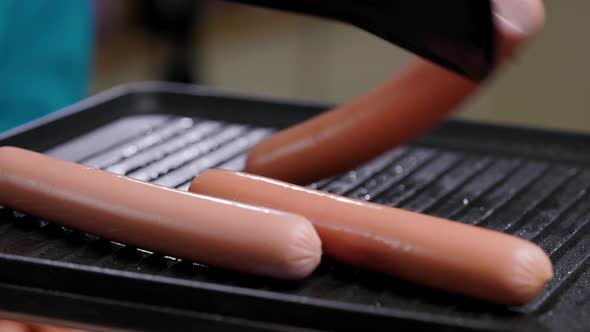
[[278, 54]]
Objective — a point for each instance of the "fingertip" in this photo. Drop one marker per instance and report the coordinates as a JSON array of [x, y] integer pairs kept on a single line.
[[518, 21], [9, 326]]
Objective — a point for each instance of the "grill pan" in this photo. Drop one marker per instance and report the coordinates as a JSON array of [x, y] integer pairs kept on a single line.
[[529, 182]]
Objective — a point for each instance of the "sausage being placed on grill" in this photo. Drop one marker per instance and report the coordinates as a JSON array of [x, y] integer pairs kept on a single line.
[[203, 229], [341, 139], [430, 251], [401, 109]]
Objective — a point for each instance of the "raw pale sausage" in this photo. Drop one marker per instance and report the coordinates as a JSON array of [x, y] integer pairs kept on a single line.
[[439, 253], [342, 139], [199, 228], [401, 109]]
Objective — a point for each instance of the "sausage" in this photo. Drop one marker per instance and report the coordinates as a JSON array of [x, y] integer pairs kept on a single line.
[[399, 110], [204, 229], [341, 139], [426, 250]]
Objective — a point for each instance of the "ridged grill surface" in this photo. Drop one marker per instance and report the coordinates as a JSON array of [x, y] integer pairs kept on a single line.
[[542, 200]]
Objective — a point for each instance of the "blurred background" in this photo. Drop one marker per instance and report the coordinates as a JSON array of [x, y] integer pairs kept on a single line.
[[272, 53]]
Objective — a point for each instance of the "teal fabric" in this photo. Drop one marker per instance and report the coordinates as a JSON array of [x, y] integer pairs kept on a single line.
[[45, 57]]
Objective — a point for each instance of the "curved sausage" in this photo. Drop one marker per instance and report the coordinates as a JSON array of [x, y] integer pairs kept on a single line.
[[399, 110], [343, 138], [199, 228], [434, 252]]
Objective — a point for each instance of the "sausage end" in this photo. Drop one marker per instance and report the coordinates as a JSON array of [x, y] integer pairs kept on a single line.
[[253, 163], [8, 156], [294, 253], [532, 270], [305, 251]]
